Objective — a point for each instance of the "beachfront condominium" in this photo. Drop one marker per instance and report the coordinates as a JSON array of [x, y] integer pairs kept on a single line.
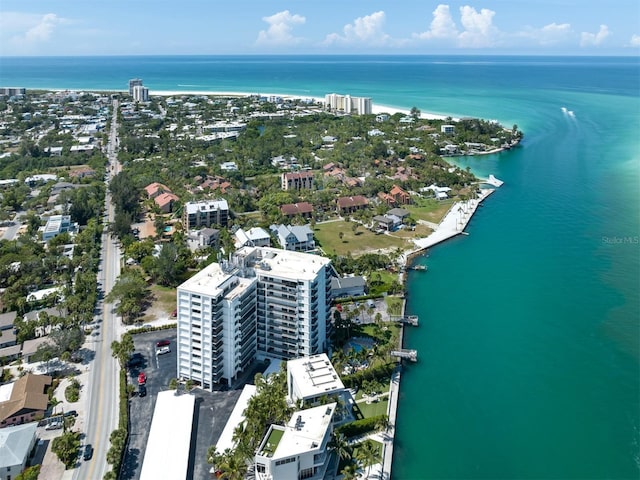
[[134, 82], [262, 303], [347, 104], [140, 93]]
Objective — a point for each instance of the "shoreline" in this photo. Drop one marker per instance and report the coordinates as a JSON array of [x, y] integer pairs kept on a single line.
[[375, 108]]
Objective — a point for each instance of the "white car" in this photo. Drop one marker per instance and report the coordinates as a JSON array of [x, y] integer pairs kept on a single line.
[[54, 426], [162, 350]]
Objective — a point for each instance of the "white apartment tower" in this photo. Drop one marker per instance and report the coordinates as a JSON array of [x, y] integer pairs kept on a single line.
[[140, 93], [263, 303], [348, 104]]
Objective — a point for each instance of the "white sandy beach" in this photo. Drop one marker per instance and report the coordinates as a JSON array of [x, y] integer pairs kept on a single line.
[[375, 108]]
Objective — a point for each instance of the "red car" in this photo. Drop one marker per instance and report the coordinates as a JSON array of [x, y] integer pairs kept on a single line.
[[142, 378], [163, 343]]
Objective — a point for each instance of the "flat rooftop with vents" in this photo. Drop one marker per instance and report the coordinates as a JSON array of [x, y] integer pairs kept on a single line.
[[310, 378]]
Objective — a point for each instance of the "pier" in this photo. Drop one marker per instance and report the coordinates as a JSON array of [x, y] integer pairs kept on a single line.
[[406, 354], [408, 319]]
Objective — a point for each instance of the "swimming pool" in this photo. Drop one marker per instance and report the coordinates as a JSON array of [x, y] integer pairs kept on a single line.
[[358, 344]]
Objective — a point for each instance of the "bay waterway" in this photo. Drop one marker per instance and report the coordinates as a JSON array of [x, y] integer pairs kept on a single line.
[[530, 326]]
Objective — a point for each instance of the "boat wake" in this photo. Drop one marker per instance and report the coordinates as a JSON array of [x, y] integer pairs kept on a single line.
[[568, 113]]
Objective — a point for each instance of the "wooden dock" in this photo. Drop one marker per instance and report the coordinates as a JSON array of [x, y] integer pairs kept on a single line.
[[407, 319], [406, 354]]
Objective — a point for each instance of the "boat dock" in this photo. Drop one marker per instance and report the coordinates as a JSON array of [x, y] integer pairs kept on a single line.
[[407, 319], [406, 354]]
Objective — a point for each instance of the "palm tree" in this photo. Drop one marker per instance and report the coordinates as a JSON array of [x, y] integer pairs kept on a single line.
[[340, 445], [349, 472], [368, 455]]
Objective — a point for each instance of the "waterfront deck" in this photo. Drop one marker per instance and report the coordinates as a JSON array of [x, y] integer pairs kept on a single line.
[[406, 319], [405, 354]]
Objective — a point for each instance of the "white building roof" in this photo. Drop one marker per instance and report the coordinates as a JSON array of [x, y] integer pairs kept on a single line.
[[5, 392], [40, 294], [313, 376], [236, 418], [305, 431], [167, 452], [285, 263], [206, 206], [15, 444], [211, 280]]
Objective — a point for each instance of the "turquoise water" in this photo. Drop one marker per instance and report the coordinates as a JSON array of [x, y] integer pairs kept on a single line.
[[529, 327]]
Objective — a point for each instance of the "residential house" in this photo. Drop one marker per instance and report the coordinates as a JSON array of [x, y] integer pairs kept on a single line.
[[294, 238], [24, 400], [348, 205], [448, 129], [254, 237], [57, 224], [304, 209], [401, 213], [82, 173], [16, 445], [387, 222], [165, 201], [400, 196], [154, 189]]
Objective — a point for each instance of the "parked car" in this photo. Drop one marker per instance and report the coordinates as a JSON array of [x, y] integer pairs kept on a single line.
[[142, 390], [162, 350], [71, 413], [88, 452], [54, 425], [163, 343], [136, 360], [142, 378]]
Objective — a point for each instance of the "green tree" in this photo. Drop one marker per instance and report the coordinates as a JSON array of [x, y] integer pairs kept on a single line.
[[368, 455], [122, 350], [30, 473], [66, 448], [130, 290]]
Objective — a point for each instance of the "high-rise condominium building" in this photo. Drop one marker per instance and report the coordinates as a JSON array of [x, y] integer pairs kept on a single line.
[[348, 104], [140, 93], [262, 303], [134, 82]]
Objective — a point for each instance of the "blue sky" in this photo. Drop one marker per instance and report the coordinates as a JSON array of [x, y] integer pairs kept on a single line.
[[483, 27]]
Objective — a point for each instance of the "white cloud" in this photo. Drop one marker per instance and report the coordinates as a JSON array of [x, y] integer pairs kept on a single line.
[[442, 25], [635, 40], [549, 34], [593, 39], [280, 26], [28, 30], [479, 30], [364, 30]]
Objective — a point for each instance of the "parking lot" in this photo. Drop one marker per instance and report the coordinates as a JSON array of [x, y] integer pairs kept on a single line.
[[211, 411]]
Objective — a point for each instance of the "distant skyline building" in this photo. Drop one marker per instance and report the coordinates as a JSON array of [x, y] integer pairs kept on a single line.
[[262, 303], [140, 93], [13, 91], [134, 82], [348, 104]]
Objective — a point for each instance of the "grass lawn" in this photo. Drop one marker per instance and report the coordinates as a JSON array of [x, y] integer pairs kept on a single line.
[[394, 305], [429, 209], [374, 409], [378, 448], [163, 302], [364, 241]]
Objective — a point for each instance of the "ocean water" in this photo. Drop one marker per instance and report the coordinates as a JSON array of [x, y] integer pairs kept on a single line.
[[529, 337]]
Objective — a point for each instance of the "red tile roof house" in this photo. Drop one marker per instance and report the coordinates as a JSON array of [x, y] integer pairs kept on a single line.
[[386, 198], [154, 189], [165, 201], [351, 204], [400, 195], [292, 209], [27, 401]]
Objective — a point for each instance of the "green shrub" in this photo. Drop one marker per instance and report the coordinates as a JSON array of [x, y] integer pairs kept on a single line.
[[360, 427], [72, 392]]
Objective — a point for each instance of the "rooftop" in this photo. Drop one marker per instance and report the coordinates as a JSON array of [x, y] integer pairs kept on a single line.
[[167, 452], [314, 376]]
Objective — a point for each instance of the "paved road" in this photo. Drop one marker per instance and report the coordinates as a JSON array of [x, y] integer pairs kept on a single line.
[[102, 414]]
